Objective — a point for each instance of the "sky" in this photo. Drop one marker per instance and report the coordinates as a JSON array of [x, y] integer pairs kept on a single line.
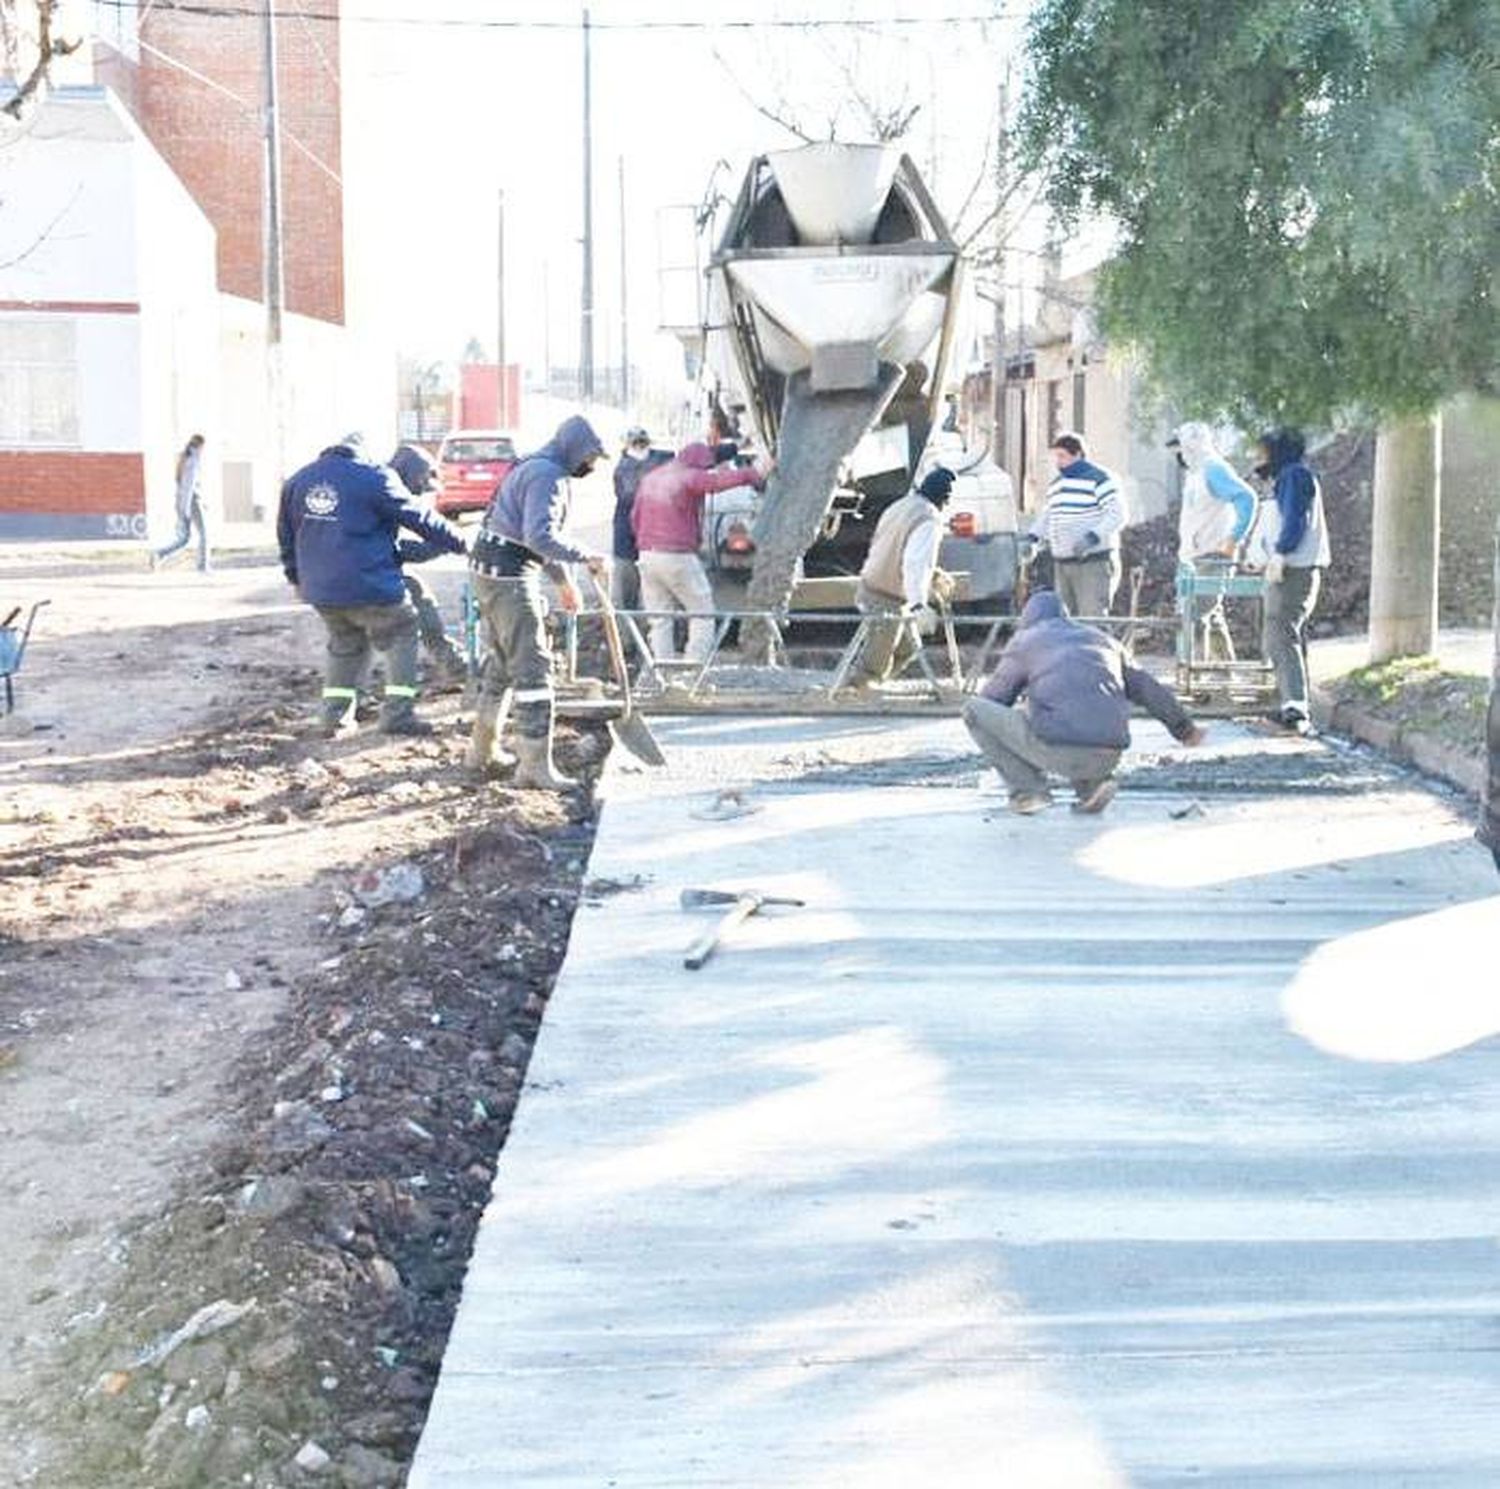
[[447, 102]]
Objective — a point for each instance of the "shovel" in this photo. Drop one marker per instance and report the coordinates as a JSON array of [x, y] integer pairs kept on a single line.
[[742, 906], [630, 729]]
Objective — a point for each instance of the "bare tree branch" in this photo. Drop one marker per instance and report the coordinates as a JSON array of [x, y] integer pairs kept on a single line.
[[48, 49], [45, 233], [785, 122]]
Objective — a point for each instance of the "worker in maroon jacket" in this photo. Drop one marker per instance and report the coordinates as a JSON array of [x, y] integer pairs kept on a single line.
[[668, 523]]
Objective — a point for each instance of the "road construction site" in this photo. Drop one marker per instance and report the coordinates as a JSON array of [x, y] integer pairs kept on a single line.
[[1153, 1147]]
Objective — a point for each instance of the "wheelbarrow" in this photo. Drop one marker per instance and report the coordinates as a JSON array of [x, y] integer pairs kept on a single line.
[[13, 639]]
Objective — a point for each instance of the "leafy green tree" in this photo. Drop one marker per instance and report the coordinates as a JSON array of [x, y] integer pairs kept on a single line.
[[1307, 193]]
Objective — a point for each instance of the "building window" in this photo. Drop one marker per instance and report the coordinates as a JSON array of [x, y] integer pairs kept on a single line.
[[38, 381], [1080, 391]]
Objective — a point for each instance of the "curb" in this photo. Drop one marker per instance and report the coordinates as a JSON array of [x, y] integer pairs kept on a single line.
[[1432, 756]]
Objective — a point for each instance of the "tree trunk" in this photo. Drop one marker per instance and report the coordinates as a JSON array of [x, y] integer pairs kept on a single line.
[[1489, 821], [1404, 540]]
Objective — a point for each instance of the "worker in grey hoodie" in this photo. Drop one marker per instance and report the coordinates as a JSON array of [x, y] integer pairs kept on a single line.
[[522, 536], [1078, 687]]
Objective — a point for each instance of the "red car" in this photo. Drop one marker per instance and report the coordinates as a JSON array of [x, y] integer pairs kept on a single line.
[[472, 462]]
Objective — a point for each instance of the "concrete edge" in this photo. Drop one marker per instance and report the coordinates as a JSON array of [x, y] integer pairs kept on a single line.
[[1432, 756]]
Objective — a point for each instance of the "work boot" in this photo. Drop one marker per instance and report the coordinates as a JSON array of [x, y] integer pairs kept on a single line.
[[407, 725], [536, 769], [1093, 798], [1028, 803], [484, 752]]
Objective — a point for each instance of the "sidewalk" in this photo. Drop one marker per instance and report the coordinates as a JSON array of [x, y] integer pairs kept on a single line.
[[1459, 760], [1057, 1151]]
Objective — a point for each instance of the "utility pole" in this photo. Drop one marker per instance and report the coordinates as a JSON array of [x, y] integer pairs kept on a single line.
[[624, 302], [503, 388], [997, 373], [275, 282], [586, 350], [546, 330]]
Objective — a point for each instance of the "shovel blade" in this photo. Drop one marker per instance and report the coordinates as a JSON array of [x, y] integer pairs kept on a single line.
[[632, 732]]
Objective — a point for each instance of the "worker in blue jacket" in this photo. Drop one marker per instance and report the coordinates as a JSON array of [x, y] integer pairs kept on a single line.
[[337, 528], [522, 537]]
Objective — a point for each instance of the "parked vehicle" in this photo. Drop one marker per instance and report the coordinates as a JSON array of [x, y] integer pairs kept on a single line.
[[472, 463]]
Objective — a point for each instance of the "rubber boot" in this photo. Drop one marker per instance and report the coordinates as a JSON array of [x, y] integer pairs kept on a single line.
[[483, 753], [398, 716], [536, 769]]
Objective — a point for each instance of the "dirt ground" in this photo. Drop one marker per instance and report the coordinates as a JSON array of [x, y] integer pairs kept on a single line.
[[249, 1114]]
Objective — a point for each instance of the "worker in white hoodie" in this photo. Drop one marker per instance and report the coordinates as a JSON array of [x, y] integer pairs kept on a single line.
[[1217, 506]]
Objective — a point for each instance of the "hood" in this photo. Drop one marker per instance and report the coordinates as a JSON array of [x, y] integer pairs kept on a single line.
[[1196, 442], [416, 468], [1285, 447], [697, 456], [573, 443], [1043, 605]]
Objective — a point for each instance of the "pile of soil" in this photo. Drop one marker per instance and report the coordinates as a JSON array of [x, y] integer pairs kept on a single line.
[[280, 1319]]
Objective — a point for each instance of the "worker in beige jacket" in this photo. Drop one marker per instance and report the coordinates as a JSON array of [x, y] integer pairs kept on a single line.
[[898, 579]]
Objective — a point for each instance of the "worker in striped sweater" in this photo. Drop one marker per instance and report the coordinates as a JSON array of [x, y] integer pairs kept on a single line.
[[1081, 524]]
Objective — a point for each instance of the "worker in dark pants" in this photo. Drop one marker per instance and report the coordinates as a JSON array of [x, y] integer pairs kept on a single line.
[[521, 537], [337, 528], [1058, 704], [637, 458], [419, 474]]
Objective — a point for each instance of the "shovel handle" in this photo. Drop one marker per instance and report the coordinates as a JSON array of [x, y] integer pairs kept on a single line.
[[615, 645], [703, 948]]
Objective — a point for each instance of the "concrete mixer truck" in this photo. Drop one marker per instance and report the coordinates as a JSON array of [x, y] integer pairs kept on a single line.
[[830, 312]]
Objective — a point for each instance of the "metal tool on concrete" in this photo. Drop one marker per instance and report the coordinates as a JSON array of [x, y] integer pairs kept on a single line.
[[743, 904], [630, 729]]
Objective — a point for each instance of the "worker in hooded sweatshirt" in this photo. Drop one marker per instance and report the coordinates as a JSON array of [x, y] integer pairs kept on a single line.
[[520, 539], [667, 520], [899, 578], [1217, 505], [419, 474], [1296, 553], [1077, 685], [337, 527]]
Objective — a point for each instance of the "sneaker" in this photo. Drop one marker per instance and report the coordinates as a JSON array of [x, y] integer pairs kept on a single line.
[[335, 728], [408, 726], [1028, 803], [1095, 798], [1294, 721]]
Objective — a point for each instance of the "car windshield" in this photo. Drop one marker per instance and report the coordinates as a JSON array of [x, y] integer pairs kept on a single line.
[[464, 450]]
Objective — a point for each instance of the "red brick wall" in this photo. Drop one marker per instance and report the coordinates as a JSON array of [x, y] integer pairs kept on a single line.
[[71, 481], [215, 145]]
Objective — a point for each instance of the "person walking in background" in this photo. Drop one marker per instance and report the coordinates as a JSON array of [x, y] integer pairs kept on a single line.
[[189, 506], [1297, 551], [418, 472], [635, 460], [1078, 687], [1081, 525], [337, 529], [521, 537], [899, 578], [668, 525]]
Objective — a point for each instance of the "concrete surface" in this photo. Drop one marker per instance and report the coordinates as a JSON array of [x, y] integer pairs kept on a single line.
[[1162, 1147]]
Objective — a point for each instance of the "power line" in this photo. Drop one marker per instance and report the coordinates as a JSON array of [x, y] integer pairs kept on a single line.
[[202, 8]]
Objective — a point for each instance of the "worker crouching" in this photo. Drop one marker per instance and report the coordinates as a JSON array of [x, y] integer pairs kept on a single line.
[[1078, 688], [520, 539], [337, 527]]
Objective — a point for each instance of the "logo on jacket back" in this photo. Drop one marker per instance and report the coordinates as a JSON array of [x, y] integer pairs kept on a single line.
[[321, 500]]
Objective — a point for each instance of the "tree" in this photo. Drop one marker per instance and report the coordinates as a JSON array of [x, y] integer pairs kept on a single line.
[[29, 45], [1308, 205]]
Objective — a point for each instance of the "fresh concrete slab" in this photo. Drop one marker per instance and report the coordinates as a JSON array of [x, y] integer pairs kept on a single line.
[[1158, 1147]]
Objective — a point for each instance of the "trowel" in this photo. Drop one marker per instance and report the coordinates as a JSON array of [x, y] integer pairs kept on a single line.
[[630, 730]]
